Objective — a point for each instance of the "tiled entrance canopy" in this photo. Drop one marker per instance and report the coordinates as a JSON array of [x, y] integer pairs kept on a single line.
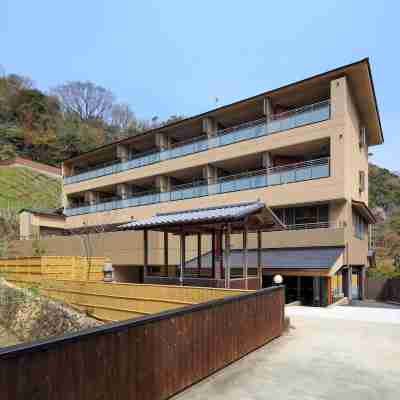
[[256, 215]]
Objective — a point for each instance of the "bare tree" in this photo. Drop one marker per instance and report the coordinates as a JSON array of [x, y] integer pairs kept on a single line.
[[87, 238], [122, 116], [86, 100], [8, 229]]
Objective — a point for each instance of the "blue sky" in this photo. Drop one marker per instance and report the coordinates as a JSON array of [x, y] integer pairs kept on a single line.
[[175, 56]]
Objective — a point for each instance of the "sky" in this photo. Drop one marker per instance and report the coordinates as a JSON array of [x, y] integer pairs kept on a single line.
[[176, 57]]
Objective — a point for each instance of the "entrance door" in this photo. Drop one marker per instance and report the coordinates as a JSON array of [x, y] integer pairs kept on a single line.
[[355, 286]]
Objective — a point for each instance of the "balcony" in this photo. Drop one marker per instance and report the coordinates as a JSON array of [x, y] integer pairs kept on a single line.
[[322, 234], [301, 116], [299, 172]]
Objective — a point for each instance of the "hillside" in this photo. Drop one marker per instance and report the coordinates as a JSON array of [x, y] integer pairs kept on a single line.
[[384, 199], [384, 189], [23, 188]]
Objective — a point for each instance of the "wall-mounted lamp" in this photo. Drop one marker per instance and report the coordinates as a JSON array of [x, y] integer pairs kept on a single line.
[[108, 272], [278, 279]]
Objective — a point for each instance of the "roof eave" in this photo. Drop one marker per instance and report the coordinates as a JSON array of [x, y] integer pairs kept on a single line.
[[249, 99]]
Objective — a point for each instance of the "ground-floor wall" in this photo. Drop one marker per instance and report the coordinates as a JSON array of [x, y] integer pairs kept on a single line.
[[126, 247], [317, 288], [383, 289]]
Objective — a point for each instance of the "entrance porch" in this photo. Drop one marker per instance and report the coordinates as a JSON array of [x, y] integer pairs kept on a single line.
[[219, 223]]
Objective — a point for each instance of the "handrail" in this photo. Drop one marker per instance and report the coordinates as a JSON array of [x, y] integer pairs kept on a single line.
[[313, 225], [269, 177], [221, 138], [101, 165], [298, 110], [187, 141], [272, 170]]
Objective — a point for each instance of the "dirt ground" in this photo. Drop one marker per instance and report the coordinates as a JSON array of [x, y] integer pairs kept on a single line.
[[6, 338]]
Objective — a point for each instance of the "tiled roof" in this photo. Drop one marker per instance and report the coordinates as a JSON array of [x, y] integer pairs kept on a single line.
[[226, 213]]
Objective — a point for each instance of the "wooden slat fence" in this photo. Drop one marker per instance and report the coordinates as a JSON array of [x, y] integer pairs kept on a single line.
[[119, 301], [150, 358], [33, 270]]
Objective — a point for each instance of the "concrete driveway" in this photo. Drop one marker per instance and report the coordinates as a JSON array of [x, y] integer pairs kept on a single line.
[[337, 353]]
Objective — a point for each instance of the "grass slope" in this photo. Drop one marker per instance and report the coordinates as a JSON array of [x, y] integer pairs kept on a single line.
[[21, 187]]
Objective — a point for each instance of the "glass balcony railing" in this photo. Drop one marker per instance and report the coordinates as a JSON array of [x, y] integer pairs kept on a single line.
[[302, 116], [314, 169]]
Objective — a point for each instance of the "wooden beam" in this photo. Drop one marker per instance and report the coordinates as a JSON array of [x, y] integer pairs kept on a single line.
[[245, 258], [296, 272]]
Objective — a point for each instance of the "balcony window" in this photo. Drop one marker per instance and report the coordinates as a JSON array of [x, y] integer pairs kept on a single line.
[[359, 226], [279, 122], [304, 217], [244, 181]]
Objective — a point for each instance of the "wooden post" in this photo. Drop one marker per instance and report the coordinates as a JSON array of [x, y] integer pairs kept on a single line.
[[298, 288], [316, 291], [329, 289], [213, 253], [166, 262], [183, 254], [245, 258], [145, 254], [259, 260], [199, 254], [350, 283], [228, 256], [363, 283], [218, 255]]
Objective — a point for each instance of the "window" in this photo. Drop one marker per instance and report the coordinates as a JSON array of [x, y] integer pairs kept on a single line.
[[359, 226], [301, 217], [361, 178]]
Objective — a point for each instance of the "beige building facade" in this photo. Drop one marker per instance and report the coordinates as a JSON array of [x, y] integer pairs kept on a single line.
[[302, 149]]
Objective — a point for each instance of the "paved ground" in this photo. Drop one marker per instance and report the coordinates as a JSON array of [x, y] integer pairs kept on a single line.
[[372, 303], [337, 353]]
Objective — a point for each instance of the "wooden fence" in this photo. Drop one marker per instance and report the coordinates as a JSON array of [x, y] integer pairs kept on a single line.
[[150, 358], [33, 270], [120, 301]]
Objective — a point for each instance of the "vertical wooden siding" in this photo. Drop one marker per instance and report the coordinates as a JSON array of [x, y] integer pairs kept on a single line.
[[150, 358]]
